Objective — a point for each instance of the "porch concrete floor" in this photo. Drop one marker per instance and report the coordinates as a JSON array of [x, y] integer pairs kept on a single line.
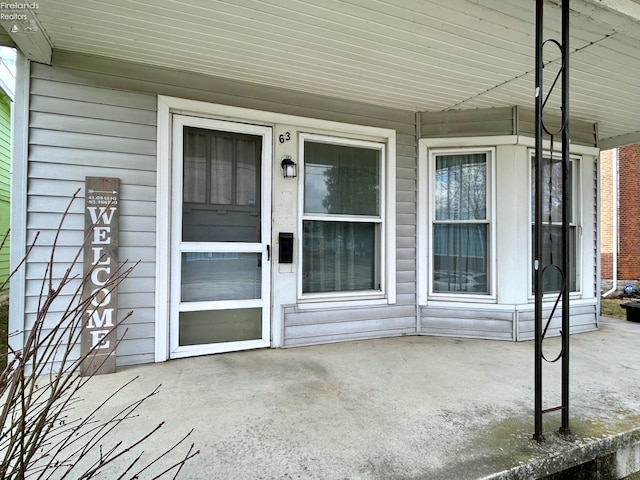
[[397, 408]]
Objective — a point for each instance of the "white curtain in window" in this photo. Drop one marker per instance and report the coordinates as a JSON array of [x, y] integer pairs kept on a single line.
[[338, 256], [222, 157], [195, 167]]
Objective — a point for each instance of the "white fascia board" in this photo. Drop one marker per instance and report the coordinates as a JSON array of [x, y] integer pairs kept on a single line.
[[459, 142], [620, 141], [627, 8], [623, 16], [574, 149]]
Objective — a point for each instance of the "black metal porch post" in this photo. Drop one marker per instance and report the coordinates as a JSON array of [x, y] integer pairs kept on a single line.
[[539, 268], [564, 427], [537, 237]]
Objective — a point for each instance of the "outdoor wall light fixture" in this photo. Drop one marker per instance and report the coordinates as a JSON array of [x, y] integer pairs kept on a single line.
[[289, 167]]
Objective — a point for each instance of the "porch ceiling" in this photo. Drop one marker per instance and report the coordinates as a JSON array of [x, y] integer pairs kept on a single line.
[[410, 54]]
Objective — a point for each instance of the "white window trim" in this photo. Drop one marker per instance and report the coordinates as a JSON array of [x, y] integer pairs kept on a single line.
[[425, 238], [173, 105], [577, 215], [381, 219]]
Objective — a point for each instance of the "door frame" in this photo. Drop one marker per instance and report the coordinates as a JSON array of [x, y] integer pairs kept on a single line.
[[168, 110], [262, 247]]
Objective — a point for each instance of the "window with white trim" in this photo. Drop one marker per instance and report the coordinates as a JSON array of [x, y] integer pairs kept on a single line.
[[343, 244], [552, 222], [461, 230]]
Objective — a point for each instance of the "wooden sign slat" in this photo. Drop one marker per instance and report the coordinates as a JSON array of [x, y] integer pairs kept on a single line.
[[102, 228]]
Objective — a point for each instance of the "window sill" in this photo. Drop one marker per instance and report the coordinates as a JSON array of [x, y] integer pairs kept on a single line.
[[460, 298], [551, 297], [312, 303]]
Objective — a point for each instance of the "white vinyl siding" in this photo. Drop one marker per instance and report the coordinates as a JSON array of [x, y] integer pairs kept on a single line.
[[76, 131]]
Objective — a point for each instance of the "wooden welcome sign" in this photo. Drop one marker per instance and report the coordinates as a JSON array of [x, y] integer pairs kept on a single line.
[[102, 228]]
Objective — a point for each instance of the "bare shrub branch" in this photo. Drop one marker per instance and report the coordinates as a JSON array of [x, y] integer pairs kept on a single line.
[[41, 386]]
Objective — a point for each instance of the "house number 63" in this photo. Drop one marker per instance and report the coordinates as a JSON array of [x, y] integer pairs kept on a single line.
[[284, 137]]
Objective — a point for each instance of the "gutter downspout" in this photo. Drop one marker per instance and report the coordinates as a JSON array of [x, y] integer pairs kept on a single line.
[[614, 189]]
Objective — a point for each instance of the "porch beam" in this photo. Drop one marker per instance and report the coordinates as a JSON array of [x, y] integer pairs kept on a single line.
[[623, 16], [627, 8], [5, 39], [619, 141], [28, 35]]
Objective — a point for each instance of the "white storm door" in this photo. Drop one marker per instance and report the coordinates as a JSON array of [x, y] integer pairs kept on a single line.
[[221, 227]]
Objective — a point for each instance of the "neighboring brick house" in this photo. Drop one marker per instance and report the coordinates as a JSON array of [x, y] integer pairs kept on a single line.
[[626, 204]]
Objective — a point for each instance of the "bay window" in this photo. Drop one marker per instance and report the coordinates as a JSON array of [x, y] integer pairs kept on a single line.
[[343, 215]]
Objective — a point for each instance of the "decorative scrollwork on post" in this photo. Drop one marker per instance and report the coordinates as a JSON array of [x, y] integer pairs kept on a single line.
[[542, 128]]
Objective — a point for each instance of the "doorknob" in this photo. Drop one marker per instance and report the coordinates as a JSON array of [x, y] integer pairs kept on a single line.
[[260, 256]]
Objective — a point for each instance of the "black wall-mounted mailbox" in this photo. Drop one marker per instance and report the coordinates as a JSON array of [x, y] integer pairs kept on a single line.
[[285, 247]]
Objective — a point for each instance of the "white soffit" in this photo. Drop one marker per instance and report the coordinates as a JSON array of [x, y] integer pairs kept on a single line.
[[414, 55]]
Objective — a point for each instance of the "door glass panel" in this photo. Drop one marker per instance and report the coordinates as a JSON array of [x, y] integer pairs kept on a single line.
[[211, 276], [221, 186], [212, 326], [221, 209]]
